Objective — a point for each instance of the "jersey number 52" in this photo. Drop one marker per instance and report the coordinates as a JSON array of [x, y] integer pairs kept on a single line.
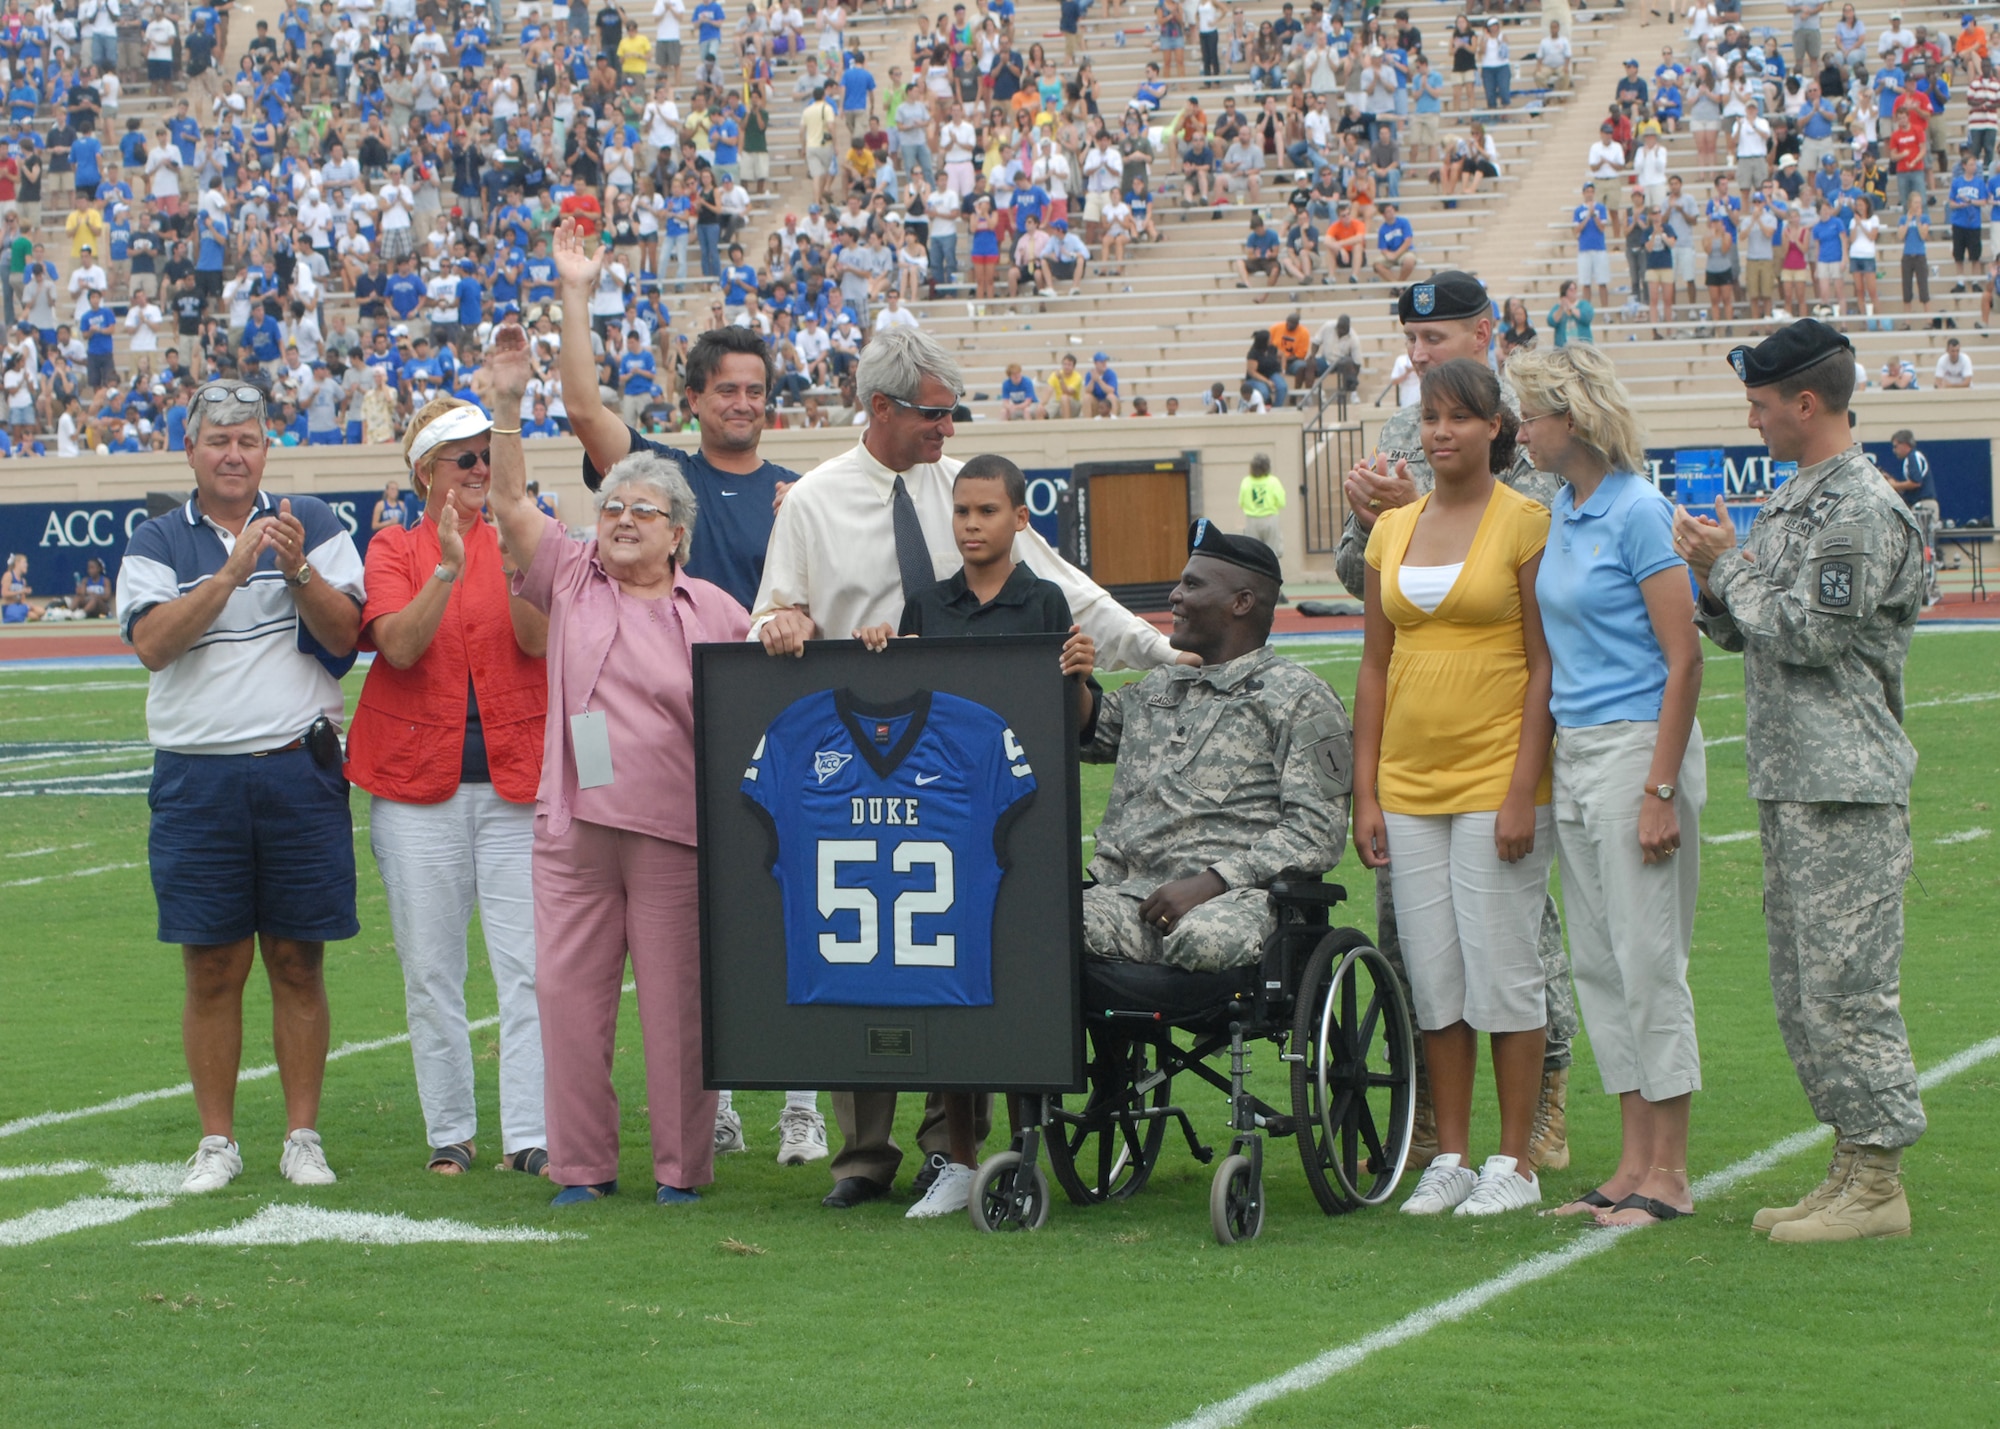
[[942, 952]]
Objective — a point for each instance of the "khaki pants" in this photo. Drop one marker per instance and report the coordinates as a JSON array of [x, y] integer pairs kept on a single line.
[[867, 1121]]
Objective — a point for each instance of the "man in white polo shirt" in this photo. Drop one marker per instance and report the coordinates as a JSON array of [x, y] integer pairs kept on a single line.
[[853, 538], [246, 611]]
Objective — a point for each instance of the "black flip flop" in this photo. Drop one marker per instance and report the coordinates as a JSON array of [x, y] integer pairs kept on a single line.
[[1593, 1198], [1660, 1211], [458, 1154], [530, 1160]]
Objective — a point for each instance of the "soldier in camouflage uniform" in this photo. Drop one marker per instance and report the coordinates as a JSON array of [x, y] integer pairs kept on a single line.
[[1229, 776], [1450, 317], [1822, 599]]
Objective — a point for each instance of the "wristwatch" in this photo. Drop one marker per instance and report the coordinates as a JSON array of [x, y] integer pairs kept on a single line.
[[302, 579], [1664, 791], [444, 573]]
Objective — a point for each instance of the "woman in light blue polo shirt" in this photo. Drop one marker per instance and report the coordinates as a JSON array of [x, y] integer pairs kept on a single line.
[[1630, 777]]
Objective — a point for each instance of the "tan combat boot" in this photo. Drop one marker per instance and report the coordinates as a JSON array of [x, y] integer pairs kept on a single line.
[[1548, 1147], [1817, 1199], [1424, 1132], [1872, 1206]]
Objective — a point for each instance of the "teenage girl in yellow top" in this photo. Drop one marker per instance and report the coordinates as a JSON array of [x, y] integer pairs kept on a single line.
[[1451, 778]]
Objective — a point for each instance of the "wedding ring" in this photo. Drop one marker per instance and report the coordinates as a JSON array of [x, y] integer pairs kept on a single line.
[[1374, 501]]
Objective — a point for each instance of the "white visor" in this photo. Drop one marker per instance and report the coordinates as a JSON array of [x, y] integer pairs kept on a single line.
[[455, 425]]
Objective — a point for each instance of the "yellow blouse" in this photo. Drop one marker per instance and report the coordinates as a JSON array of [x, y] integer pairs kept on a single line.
[[1452, 727]]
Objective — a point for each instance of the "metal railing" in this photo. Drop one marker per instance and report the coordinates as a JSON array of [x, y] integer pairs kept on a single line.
[[1330, 443]]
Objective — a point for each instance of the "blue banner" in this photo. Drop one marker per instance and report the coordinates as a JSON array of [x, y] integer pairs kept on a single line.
[[1046, 484], [60, 537], [1963, 470]]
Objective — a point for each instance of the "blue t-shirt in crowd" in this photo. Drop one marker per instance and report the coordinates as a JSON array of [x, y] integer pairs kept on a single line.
[[739, 280], [1017, 389], [723, 137], [1394, 233], [708, 19], [83, 154], [1593, 217], [856, 84], [471, 302], [1829, 232], [1968, 191], [1261, 242], [97, 323], [406, 293], [1607, 661]]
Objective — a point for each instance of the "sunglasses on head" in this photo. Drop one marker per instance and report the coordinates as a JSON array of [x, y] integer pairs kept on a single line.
[[929, 414], [245, 393]]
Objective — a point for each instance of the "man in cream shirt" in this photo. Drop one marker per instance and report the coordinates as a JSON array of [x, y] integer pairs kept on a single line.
[[833, 566]]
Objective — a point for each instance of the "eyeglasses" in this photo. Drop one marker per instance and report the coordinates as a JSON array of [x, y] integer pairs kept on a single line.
[[641, 510], [245, 393], [466, 461], [929, 414]]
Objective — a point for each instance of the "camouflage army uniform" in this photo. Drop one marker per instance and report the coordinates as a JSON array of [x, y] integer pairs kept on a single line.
[[1823, 615], [1398, 440], [1244, 768]]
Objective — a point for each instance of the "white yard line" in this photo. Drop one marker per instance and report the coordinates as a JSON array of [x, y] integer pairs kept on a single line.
[[52, 848], [73, 873], [1318, 1371], [1740, 836], [1965, 836], [294, 1224], [78, 1215], [44, 1168], [248, 1074]]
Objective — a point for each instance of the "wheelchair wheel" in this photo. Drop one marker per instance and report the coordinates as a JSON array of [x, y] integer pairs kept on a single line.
[[1102, 1153], [1235, 1202], [1003, 1201], [1354, 1083]]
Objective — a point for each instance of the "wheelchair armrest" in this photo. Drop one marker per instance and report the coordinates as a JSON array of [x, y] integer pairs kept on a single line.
[[1304, 896]]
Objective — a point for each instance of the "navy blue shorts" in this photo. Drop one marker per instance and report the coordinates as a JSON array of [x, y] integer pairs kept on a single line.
[[250, 843]]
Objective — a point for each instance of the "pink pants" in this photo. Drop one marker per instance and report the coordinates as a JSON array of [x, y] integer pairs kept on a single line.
[[599, 893]]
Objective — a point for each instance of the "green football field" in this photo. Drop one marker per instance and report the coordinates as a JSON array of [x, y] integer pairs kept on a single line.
[[758, 1305]]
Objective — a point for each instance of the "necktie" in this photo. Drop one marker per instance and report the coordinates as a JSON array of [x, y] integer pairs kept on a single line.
[[913, 556]]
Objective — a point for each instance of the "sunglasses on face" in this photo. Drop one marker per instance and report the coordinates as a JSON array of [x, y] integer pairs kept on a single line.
[[466, 461], [929, 414], [641, 510]]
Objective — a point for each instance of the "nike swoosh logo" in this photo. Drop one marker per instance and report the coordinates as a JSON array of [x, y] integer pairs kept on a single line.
[[726, 493], [923, 779]]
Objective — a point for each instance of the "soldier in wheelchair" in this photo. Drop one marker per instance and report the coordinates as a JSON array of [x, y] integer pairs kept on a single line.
[[1207, 916]]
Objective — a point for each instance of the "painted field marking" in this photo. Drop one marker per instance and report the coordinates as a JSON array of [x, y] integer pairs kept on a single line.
[[44, 1168], [297, 1224], [185, 1089], [1965, 836], [8, 688], [73, 873], [1318, 1371], [52, 848], [1740, 836], [78, 1215]]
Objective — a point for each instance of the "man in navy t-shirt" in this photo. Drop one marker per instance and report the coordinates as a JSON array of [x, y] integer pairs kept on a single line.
[[729, 377], [96, 325]]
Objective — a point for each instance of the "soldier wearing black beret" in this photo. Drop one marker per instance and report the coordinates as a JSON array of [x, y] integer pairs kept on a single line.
[[1230, 774], [1451, 316], [1821, 600]]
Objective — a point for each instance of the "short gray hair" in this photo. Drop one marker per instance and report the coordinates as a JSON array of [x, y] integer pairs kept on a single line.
[[897, 361], [231, 411], [661, 476]]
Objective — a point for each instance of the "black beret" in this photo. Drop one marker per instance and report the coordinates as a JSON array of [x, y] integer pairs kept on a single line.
[[1205, 538], [1788, 351], [1449, 294]]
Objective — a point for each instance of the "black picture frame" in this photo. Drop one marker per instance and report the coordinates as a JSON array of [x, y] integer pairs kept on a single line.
[[1030, 1039]]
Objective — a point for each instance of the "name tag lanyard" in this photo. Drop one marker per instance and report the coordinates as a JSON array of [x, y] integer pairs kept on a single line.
[[590, 730]]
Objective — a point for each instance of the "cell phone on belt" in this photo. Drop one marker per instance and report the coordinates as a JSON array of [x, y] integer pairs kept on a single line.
[[322, 740]]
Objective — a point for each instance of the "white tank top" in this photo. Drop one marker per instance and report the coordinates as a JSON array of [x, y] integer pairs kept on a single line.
[[1425, 587]]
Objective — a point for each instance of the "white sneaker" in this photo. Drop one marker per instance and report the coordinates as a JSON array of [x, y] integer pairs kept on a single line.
[[1446, 1182], [801, 1136], [215, 1163], [1500, 1189], [949, 1194], [728, 1131], [303, 1162]]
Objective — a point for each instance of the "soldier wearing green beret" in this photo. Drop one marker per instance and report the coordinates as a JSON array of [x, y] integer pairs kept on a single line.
[[1821, 599], [1449, 317], [1230, 775]]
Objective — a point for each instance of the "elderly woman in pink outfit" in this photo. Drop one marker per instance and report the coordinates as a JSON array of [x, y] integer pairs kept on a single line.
[[614, 861]]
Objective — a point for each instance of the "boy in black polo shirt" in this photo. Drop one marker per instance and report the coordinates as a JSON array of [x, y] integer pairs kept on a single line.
[[991, 595]]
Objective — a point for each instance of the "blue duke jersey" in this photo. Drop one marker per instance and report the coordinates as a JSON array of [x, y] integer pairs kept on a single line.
[[889, 826]]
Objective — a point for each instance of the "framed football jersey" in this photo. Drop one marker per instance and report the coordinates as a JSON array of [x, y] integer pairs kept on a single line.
[[890, 866]]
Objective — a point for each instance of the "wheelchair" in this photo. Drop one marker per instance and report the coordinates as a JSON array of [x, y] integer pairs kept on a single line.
[[1327, 999]]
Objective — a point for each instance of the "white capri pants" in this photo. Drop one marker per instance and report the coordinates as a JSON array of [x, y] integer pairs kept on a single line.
[[437, 861], [1470, 924], [1630, 923], [1593, 266]]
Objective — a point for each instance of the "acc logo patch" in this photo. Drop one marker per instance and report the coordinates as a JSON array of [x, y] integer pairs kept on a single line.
[[828, 762], [1424, 299], [1739, 361], [1836, 584]]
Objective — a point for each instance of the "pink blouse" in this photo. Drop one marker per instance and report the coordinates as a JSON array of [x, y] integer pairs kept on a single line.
[[632, 659]]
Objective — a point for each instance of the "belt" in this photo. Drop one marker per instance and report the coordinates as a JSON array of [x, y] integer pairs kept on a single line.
[[299, 743]]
